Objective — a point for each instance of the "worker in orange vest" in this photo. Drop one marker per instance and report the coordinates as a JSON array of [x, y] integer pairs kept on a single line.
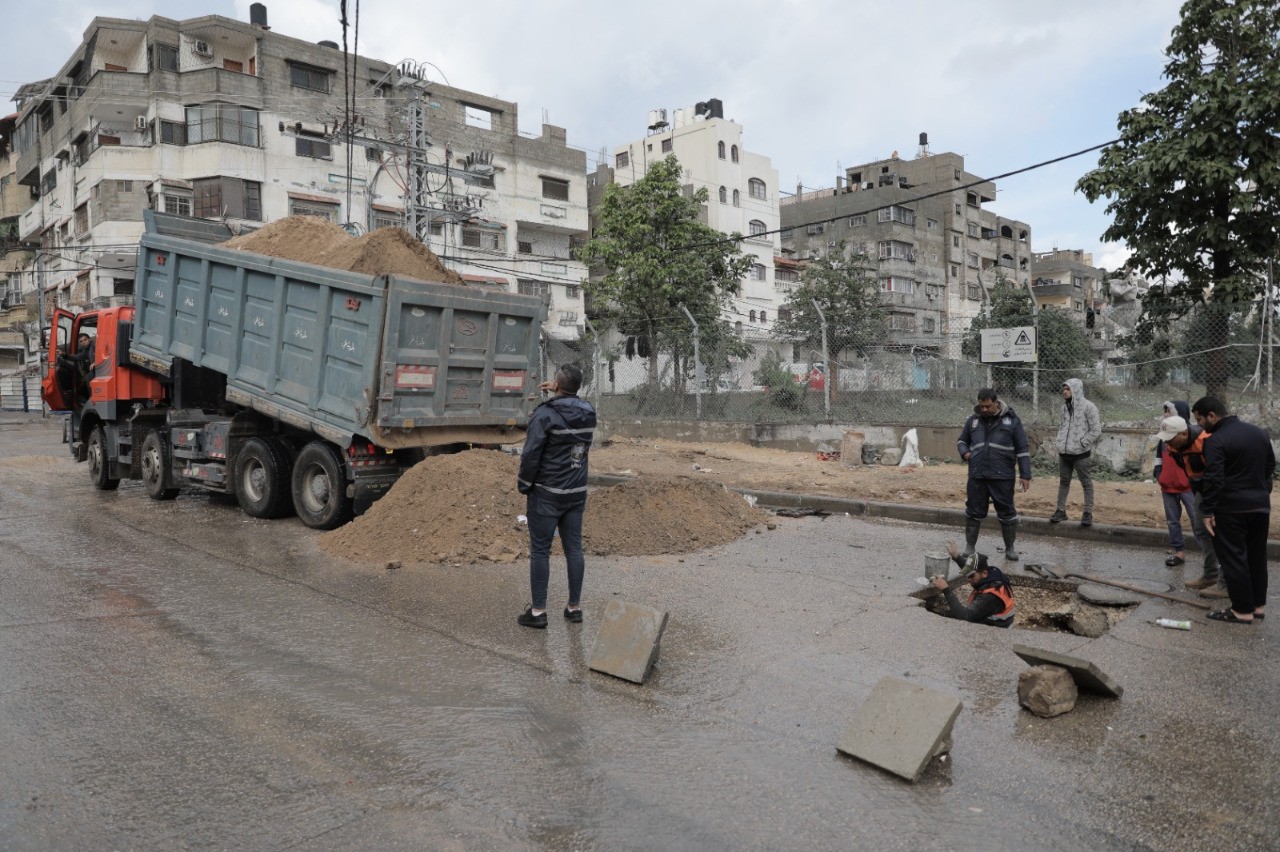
[[991, 600]]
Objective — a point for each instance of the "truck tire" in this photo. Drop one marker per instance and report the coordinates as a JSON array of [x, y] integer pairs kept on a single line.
[[99, 464], [156, 461], [320, 487], [262, 479]]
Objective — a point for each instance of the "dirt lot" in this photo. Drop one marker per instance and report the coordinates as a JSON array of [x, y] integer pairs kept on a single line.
[[740, 465]]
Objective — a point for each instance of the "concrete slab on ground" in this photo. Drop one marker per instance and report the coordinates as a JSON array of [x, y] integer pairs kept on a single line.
[[1086, 674], [627, 643], [900, 727]]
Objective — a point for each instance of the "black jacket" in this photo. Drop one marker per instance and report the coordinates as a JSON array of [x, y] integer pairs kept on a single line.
[[997, 445], [1239, 466], [554, 459]]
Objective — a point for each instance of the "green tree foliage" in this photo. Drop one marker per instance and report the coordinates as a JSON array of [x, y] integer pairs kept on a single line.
[[1061, 343], [845, 286], [1193, 183], [656, 257]]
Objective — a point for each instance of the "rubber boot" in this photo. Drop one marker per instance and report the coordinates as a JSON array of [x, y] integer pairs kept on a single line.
[[971, 529], [1010, 533]]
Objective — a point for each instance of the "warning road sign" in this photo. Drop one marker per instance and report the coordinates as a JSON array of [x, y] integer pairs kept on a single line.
[[1009, 344]]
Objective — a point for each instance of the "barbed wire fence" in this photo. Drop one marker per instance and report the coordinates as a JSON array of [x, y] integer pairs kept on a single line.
[[916, 379]]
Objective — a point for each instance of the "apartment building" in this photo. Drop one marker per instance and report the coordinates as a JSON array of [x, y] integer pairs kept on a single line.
[[742, 187], [14, 256], [212, 117], [924, 221], [1067, 279]]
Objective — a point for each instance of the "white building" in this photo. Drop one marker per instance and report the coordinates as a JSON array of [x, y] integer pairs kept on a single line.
[[217, 118]]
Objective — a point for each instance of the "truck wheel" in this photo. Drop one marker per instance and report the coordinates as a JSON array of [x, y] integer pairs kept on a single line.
[[320, 487], [98, 463], [262, 479], [156, 460]]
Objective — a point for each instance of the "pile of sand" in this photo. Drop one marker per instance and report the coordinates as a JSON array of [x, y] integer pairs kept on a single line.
[[314, 239], [463, 508]]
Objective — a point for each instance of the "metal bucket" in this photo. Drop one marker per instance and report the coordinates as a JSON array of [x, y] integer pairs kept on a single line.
[[937, 565]]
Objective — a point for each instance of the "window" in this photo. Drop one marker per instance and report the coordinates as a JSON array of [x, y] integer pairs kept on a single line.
[[895, 213], [529, 287], [387, 219], [959, 210], [622, 159], [955, 241], [756, 227], [972, 199], [896, 250], [374, 154], [755, 188], [478, 117], [555, 188], [973, 260], [902, 322], [972, 229], [483, 238], [752, 316], [785, 276], [173, 132], [436, 229], [164, 57], [524, 246], [974, 294], [720, 150], [305, 207], [124, 186], [897, 284], [177, 204], [724, 195], [955, 271], [82, 220], [312, 146], [759, 273], [733, 153], [310, 77], [736, 198], [234, 198], [222, 123], [764, 317], [788, 234], [1079, 306], [857, 221], [49, 182], [930, 325], [933, 224], [816, 228], [572, 291], [666, 146]]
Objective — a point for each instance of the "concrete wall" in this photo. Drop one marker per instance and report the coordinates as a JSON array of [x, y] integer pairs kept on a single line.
[[1120, 448]]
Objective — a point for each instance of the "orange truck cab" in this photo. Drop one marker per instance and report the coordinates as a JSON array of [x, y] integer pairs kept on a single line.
[[96, 383]]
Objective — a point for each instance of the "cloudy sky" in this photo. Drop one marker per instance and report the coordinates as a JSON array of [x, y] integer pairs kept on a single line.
[[816, 84]]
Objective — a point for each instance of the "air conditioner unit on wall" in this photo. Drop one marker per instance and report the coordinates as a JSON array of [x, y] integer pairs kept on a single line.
[[202, 48], [140, 122]]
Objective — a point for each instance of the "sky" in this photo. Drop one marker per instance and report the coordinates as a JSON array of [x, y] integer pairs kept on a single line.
[[816, 84]]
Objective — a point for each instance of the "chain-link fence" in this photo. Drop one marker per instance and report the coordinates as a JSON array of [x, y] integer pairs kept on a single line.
[[749, 376]]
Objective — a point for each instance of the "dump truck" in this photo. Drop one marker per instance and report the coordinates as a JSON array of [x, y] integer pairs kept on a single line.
[[294, 388]]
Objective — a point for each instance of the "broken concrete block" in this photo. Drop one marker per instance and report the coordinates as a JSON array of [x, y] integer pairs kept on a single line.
[[1047, 691], [890, 456], [1086, 675], [900, 727], [627, 642], [1087, 621]]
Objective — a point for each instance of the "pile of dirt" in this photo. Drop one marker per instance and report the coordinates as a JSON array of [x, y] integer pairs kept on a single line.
[[316, 240], [464, 508]]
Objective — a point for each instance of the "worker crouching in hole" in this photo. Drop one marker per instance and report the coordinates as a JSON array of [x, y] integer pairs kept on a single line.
[[990, 602]]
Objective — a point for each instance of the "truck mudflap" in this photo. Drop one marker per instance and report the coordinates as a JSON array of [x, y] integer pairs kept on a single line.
[[368, 485]]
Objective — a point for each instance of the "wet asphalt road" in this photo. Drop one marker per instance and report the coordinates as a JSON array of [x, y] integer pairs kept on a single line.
[[179, 675]]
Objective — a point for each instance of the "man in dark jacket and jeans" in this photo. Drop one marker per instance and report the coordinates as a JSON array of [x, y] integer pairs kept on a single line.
[[1235, 497], [553, 475], [995, 446]]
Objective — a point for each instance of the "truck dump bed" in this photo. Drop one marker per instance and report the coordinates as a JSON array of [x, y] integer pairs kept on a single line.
[[401, 362]]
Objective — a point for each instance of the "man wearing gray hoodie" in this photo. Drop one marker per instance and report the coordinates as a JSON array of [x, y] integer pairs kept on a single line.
[[1081, 427]]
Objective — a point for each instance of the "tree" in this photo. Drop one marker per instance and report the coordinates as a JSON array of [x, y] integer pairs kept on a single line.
[[1193, 182], [845, 286], [658, 258], [1061, 343]]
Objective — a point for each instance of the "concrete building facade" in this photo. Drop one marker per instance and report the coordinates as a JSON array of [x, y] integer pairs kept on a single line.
[[1067, 279], [217, 118], [923, 221]]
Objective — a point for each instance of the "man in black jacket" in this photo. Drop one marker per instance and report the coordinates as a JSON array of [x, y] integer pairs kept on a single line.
[[1235, 498], [553, 475], [990, 602], [995, 446]]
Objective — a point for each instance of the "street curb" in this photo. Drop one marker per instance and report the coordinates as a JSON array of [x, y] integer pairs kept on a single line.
[[949, 517]]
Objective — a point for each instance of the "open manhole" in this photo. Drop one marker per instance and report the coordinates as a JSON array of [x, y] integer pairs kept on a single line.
[[1054, 605]]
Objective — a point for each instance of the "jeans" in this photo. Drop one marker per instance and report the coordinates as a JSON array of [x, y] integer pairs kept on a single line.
[[546, 515], [1081, 466], [1173, 506]]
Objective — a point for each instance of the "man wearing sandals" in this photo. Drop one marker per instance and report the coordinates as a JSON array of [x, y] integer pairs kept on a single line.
[[1236, 501]]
